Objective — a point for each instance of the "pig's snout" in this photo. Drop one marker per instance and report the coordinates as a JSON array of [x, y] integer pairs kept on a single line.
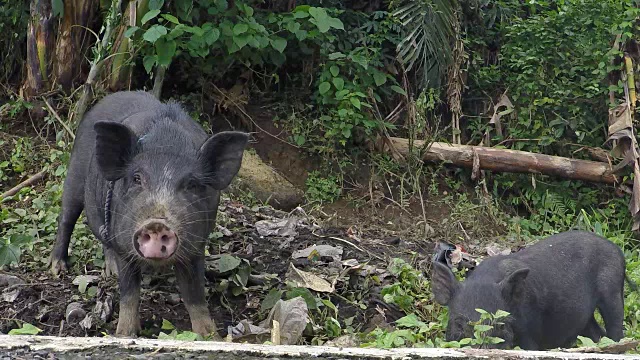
[[155, 240]]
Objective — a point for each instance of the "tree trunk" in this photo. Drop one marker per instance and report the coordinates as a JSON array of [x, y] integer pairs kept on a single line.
[[504, 160], [120, 66], [40, 40], [71, 40]]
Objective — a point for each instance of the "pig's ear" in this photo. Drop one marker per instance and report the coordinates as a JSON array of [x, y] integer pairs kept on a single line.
[[221, 157], [443, 283], [513, 285], [115, 147]]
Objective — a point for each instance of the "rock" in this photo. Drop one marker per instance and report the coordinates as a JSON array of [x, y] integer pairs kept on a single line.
[[266, 184], [173, 299], [9, 280], [75, 313]]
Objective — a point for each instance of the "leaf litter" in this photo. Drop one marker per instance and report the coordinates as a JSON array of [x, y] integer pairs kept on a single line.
[[269, 272]]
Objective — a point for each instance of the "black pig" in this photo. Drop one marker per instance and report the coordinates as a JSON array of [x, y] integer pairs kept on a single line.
[[551, 289], [166, 174]]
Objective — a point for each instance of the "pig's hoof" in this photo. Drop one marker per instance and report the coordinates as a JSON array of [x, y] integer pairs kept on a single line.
[[127, 329], [58, 266], [206, 327]]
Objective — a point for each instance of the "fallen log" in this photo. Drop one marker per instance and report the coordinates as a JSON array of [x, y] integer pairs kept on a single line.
[[515, 161], [30, 181]]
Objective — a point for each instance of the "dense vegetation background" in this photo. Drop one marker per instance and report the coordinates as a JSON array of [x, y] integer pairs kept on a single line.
[[340, 76]]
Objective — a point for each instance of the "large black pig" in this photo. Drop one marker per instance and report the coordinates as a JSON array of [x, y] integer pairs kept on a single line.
[[551, 289], [148, 178]]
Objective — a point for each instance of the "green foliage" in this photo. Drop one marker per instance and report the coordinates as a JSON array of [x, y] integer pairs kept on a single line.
[[30, 222], [428, 31], [26, 329], [14, 17], [175, 334], [554, 64], [323, 189], [223, 35]]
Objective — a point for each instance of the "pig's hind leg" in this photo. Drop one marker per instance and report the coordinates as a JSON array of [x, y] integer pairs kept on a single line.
[[72, 206], [611, 301]]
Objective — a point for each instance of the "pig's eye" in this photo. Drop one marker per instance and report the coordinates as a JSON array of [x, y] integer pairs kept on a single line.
[[137, 179]]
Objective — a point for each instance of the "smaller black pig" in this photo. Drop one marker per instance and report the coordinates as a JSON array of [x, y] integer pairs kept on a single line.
[[551, 289]]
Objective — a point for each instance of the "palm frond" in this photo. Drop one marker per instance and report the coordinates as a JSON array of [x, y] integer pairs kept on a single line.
[[427, 45]]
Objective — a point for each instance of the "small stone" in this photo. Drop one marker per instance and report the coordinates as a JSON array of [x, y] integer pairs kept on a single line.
[[75, 313], [173, 299]]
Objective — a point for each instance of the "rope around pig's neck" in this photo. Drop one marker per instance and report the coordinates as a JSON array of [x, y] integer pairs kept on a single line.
[[104, 229]]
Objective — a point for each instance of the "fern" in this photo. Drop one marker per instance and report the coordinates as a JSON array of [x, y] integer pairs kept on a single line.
[[554, 203]]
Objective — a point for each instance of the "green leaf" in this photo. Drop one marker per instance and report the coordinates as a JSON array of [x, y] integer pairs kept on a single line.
[[165, 49], [21, 212], [149, 15], [27, 329], [241, 41], [149, 61], [156, 4], [188, 336], [586, 342], [167, 325], [228, 263], [324, 87], [243, 274], [341, 94], [82, 285], [335, 23], [271, 299], [501, 314], [355, 101], [380, 78], [279, 44], [240, 28], [398, 89], [330, 305], [336, 55], [212, 36], [57, 7], [482, 328], [9, 254], [410, 321], [171, 18], [481, 311], [19, 239], [320, 19], [338, 83], [130, 31], [305, 294], [334, 70], [154, 33]]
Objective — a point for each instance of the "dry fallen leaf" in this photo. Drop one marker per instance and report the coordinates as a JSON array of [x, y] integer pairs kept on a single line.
[[307, 280]]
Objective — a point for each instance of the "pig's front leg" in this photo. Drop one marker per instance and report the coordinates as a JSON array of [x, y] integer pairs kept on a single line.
[[190, 279], [527, 343], [129, 283]]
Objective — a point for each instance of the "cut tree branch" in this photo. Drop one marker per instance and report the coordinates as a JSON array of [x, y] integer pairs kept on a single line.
[[30, 181], [514, 161]]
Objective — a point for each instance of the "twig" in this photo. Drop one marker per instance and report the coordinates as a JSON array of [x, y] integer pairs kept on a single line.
[[55, 114], [350, 243], [159, 79], [61, 328], [23, 184]]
